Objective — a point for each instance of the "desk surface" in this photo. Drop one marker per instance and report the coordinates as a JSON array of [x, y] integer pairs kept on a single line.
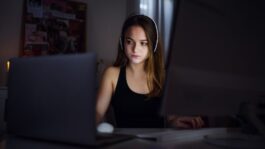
[[186, 139]]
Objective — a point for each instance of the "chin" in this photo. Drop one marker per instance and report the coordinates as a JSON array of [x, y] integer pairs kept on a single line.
[[136, 61]]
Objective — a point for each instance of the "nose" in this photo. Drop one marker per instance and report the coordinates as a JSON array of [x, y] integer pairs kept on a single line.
[[135, 48]]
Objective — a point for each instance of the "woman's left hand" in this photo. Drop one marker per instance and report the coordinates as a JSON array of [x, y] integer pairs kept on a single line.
[[186, 122]]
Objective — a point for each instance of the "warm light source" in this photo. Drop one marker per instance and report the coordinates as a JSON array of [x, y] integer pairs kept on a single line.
[[7, 65]]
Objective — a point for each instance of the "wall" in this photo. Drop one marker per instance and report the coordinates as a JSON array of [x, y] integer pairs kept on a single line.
[[104, 21], [10, 31], [104, 25]]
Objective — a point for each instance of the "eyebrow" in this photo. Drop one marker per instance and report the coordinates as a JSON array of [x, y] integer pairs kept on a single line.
[[134, 40]]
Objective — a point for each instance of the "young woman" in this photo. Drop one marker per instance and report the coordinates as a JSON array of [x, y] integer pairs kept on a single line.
[[134, 84]]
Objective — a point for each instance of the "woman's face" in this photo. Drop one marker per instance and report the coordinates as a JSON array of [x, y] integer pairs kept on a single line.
[[136, 45]]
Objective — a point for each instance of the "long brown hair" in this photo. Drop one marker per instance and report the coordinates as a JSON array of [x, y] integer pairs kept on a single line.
[[154, 65]]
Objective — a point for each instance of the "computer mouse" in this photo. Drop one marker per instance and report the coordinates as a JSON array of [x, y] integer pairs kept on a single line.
[[105, 127]]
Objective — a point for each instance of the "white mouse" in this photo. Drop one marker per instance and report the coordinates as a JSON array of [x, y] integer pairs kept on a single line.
[[105, 127]]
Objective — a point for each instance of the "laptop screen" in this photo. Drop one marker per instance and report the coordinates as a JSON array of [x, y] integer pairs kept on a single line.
[[53, 98]]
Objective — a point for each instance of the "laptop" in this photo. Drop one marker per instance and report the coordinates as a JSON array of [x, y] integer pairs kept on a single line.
[[52, 98]]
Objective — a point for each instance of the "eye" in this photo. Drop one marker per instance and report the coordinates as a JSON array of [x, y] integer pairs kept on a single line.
[[144, 43], [128, 41]]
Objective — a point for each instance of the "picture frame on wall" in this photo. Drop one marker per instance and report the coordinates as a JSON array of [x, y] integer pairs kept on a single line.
[[53, 27]]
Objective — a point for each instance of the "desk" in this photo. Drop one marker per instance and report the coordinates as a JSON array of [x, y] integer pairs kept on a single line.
[[186, 139]]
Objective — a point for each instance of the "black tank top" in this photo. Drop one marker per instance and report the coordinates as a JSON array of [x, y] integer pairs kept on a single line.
[[134, 110]]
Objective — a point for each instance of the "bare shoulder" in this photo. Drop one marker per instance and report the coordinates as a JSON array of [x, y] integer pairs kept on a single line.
[[112, 73]]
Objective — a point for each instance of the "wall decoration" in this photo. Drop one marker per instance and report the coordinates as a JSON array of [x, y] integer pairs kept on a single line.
[[53, 27]]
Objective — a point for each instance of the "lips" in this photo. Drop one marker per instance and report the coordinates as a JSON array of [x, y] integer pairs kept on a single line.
[[135, 56]]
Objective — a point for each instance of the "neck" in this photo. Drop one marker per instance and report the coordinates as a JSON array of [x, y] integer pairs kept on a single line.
[[136, 68]]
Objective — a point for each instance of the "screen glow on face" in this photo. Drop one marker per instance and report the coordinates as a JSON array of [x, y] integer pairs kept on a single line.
[[136, 45]]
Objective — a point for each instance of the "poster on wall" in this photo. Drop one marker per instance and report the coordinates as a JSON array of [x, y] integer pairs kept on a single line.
[[54, 27]]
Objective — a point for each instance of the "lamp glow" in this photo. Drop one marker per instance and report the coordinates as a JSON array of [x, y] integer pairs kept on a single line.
[[7, 65]]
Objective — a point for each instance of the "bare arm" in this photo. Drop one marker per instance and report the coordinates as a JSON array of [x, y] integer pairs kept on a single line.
[[106, 89]]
